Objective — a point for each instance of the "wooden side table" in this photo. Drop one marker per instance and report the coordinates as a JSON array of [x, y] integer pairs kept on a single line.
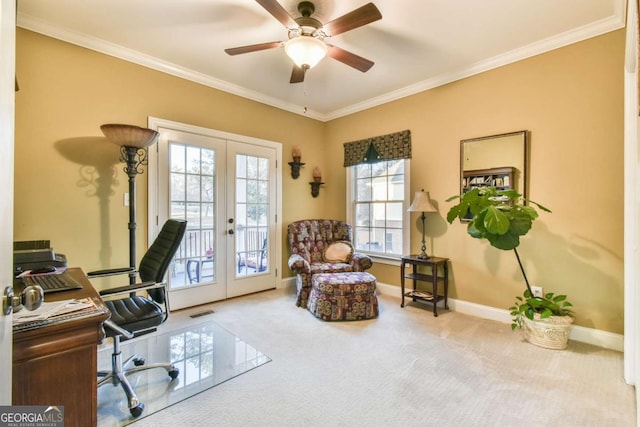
[[420, 295]]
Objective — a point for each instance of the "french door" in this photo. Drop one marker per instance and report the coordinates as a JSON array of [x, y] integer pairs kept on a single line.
[[226, 189]]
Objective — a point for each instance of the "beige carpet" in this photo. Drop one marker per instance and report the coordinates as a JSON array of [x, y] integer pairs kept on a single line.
[[405, 368]]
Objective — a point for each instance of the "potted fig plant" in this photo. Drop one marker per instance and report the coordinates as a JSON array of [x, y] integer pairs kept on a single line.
[[502, 217]]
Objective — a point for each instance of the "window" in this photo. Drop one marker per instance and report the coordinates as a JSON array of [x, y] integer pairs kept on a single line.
[[192, 197], [378, 197]]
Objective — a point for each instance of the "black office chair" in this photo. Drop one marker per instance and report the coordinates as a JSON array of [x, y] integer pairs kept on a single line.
[[134, 315]]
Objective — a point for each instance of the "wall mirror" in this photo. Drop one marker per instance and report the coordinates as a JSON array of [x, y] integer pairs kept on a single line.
[[497, 160]]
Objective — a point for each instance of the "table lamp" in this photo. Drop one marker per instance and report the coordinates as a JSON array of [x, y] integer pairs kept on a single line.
[[422, 203]]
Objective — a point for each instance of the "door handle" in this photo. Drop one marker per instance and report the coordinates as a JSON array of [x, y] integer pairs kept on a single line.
[[30, 298]]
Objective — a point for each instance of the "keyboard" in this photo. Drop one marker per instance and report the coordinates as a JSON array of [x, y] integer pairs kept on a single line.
[[52, 282]]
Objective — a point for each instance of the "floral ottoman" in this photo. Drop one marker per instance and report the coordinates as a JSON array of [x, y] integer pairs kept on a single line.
[[343, 296]]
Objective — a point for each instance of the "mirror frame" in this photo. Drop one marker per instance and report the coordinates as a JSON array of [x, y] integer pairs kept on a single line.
[[519, 158]]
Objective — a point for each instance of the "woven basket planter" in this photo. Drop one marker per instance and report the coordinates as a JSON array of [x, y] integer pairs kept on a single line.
[[552, 332]]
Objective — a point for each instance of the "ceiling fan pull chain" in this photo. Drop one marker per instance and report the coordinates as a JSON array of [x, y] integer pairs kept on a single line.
[[304, 91]]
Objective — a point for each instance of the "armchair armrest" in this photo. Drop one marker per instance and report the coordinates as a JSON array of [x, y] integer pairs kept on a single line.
[[143, 286], [298, 264], [361, 262]]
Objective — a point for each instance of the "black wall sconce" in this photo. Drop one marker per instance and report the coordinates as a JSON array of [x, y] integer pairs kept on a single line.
[[315, 188], [295, 169], [296, 164], [317, 182]]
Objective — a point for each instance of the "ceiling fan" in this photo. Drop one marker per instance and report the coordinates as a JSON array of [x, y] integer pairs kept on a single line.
[[306, 45]]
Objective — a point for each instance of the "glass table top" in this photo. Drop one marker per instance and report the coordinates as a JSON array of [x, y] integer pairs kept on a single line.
[[206, 355]]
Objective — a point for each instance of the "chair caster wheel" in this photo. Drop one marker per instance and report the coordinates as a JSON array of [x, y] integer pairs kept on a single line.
[[174, 373], [139, 361], [136, 411]]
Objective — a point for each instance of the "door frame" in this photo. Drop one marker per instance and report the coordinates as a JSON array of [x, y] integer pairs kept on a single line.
[[7, 136], [153, 191], [631, 202]]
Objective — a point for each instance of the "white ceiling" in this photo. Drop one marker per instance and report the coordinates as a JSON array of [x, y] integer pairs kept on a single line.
[[417, 45]]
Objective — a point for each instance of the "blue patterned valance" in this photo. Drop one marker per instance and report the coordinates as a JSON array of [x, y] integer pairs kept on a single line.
[[386, 147]]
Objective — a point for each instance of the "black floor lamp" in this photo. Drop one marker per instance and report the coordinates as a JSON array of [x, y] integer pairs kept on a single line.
[[133, 142]]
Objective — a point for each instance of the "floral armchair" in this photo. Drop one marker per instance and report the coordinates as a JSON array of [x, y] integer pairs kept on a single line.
[[308, 240]]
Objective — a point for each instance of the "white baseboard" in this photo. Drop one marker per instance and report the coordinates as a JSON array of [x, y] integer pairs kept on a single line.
[[287, 282], [596, 337]]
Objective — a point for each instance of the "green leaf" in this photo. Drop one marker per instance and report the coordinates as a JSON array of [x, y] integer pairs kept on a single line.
[[535, 302], [475, 232], [529, 211], [542, 208], [511, 194], [457, 211], [495, 221], [520, 224], [471, 197], [505, 242]]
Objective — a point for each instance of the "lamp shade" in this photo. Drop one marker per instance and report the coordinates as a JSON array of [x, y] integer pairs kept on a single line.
[[422, 203], [305, 51], [129, 135]]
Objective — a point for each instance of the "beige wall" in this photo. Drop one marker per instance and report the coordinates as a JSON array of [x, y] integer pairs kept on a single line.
[[69, 184], [571, 100]]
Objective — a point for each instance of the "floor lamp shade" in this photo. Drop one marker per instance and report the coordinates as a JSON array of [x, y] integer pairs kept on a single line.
[[422, 203], [129, 135]]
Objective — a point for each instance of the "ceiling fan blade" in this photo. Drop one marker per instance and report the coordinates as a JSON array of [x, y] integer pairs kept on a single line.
[[297, 75], [278, 12], [252, 48], [354, 19], [348, 58]]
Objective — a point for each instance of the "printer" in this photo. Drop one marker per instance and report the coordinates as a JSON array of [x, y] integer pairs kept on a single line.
[[32, 254]]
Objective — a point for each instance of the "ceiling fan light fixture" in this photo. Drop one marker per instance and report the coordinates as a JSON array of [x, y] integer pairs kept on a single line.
[[305, 51]]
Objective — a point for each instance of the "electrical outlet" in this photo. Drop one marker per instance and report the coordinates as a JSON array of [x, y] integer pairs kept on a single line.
[[537, 291]]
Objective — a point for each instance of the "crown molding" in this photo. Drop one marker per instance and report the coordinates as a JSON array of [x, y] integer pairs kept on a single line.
[[612, 23], [36, 25]]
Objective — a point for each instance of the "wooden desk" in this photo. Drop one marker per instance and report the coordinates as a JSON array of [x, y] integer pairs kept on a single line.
[[57, 364]]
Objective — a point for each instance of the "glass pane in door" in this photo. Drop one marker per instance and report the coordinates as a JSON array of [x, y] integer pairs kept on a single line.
[[252, 208], [192, 197]]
